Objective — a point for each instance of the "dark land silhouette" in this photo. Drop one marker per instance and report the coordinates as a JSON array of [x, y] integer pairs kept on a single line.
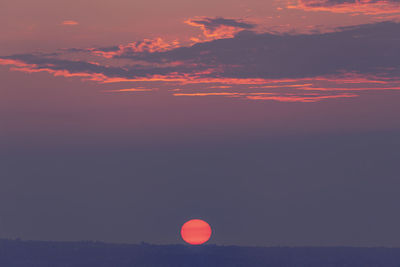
[[63, 254]]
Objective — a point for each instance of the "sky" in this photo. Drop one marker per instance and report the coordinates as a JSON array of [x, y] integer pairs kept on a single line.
[[277, 122]]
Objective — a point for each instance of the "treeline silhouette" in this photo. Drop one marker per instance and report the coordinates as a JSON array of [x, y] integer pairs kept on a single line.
[[19, 253]]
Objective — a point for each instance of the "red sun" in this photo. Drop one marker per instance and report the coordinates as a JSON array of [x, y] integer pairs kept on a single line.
[[196, 232]]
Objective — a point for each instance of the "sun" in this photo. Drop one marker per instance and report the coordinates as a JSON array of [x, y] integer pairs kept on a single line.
[[196, 232]]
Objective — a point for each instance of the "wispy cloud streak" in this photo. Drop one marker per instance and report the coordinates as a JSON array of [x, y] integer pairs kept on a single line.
[[368, 7], [70, 23]]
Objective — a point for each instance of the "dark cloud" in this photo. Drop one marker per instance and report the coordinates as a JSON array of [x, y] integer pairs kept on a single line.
[[364, 49], [370, 49], [318, 3], [212, 24], [369, 7], [38, 62], [108, 48], [217, 28]]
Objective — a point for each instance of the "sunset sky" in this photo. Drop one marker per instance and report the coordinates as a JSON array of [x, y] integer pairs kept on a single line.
[[277, 122]]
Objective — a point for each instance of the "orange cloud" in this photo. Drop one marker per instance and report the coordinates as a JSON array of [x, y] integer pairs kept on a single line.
[[272, 84], [15, 63], [342, 82], [147, 45]]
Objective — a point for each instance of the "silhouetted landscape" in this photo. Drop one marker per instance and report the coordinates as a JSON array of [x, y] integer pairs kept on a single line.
[[37, 253]]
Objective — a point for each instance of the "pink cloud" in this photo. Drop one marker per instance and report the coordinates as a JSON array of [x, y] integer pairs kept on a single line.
[[130, 90], [70, 23], [280, 97], [217, 28], [368, 7], [300, 98]]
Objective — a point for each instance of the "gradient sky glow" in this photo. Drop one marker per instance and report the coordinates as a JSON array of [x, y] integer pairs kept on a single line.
[[275, 121]]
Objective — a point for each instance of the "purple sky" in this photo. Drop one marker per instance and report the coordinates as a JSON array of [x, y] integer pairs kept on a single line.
[[275, 121]]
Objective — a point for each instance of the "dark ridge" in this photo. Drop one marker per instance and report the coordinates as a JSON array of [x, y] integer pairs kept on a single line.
[[63, 254]]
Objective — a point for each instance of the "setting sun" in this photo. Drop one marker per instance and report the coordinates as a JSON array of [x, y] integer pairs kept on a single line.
[[196, 232]]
